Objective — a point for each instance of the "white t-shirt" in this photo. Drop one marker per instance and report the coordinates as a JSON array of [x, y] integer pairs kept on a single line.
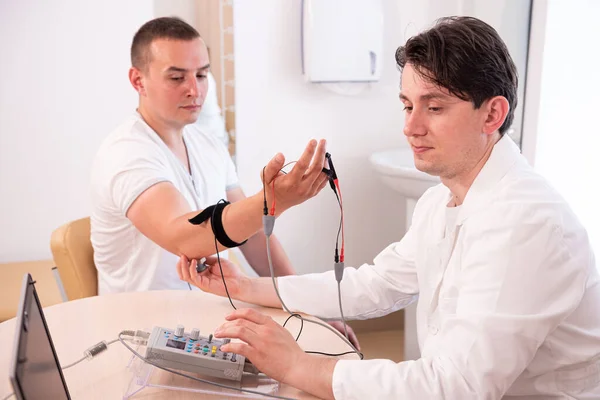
[[451, 214], [130, 160]]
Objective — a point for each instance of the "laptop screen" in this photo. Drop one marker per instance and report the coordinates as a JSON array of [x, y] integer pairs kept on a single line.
[[35, 370]]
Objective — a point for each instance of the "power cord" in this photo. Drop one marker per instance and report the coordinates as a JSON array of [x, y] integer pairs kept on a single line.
[[92, 352], [138, 337]]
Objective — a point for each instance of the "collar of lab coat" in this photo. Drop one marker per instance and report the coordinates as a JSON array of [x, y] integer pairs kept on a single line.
[[505, 155]]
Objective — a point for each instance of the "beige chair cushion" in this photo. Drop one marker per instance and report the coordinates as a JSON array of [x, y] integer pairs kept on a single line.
[[74, 256], [11, 278]]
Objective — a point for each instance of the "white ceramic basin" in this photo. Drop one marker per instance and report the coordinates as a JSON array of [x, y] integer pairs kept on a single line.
[[396, 168]]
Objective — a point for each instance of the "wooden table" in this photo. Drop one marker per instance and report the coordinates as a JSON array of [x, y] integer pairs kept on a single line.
[[77, 325]]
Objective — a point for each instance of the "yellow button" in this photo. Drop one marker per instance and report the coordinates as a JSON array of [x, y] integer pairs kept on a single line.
[[214, 349]]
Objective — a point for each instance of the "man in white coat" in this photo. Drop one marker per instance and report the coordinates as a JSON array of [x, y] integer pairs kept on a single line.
[[507, 288]]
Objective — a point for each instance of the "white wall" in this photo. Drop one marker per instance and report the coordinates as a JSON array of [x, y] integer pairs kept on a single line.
[[63, 87], [184, 9], [277, 111], [568, 137]]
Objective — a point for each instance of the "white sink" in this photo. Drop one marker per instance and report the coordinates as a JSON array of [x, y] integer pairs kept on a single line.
[[397, 170]]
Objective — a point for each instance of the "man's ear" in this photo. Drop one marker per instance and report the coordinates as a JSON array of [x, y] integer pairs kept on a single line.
[[137, 80], [497, 109]]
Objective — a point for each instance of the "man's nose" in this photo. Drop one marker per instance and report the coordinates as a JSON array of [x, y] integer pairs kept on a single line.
[[193, 88], [414, 124]]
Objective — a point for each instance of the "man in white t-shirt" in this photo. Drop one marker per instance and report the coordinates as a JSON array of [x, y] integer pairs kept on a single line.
[[133, 159], [157, 170]]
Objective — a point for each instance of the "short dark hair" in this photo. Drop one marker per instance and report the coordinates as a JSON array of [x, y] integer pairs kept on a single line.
[[158, 28], [467, 57]]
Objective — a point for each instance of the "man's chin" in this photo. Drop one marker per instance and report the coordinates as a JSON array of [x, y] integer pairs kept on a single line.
[[190, 120], [427, 168]]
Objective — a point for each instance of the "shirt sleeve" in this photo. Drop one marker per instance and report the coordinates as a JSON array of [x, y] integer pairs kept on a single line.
[[129, 167], [517, 283]]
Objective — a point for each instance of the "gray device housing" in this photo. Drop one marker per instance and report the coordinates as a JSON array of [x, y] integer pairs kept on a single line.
[[184, 353]]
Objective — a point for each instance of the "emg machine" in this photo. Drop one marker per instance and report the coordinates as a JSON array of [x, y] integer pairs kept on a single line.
[[191, 352]]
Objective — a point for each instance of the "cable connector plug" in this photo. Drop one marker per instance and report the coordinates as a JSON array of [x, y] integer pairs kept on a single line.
[[339, 271], [137, 337], [268, 224], [95, 350], [141, 337]]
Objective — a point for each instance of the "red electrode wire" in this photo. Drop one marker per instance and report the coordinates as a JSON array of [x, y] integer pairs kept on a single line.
[[339, 191], [273, 205], [337, 185]]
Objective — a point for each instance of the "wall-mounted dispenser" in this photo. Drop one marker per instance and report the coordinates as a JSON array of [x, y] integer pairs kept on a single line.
[[342, 40]]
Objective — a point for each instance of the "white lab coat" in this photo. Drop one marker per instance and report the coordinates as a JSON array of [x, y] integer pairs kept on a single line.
[[508, 299]]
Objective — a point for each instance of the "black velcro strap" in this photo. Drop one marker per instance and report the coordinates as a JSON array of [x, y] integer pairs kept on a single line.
[[203, 216], [215, 213]]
